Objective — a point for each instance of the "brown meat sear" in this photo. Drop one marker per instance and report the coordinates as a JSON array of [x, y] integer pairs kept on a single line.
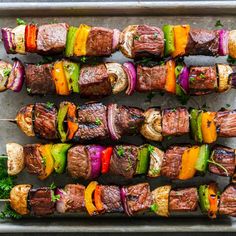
[[183, 200], [151, 78]]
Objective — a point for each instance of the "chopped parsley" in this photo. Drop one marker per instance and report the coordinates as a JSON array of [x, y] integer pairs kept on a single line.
[[219, 24], [212, 161], [154, 207], [9, 213], [28, 90], [120, 151], [52, 186], [6, 72], [150, 96], [83, 59], [98, 121], [49, 105], [173, 110], [44, 161], [191, 79], [227, 105], [155, 35], [19, 21], [169, 137], [150, 148], [55, 197], [136, 37], [231, 60], [202, 76]]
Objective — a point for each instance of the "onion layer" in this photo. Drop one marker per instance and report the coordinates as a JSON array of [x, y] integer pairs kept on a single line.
[[223, 42], [132, 77], [60, 204], [124, 201], [183, 79], [115, 40], [111, 117], [8, 38]]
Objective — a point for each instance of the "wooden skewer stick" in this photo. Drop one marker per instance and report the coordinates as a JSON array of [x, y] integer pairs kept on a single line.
[[15, 120], [5, 200]]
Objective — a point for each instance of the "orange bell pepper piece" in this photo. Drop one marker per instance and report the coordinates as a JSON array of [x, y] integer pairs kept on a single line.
[[88, 198], [189, 159], [213, 200], [181, 39], [45, 151], [97, 199], [31, 38], [208, 127], [81, 40], [72, 121], [59, 78], [170, 85]]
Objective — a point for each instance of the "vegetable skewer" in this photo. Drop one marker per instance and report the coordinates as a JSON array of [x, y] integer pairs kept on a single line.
[[90, 161], [98, 199]]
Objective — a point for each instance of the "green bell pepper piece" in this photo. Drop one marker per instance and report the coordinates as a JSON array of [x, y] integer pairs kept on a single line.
[[199, 127], [3, 167], [72, 71], [70, 41], [195, 124], [143, 160], [60, 120], [59, 153], [203, 198], [202, 161], [169, 39]]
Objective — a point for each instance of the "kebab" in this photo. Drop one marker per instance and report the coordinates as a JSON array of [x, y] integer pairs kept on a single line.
[[95, 121], [134, 41], [90, 161], [97, 199], [102, 79]]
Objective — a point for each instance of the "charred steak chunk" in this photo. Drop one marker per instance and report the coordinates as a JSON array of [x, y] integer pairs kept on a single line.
[[183, 200], [39, 79], [94, 81], [172, 162], [151, 78], [41, 201], [228, 201], [148, 41], [99, 42], [202, 80], [78, 163], [92, 118], [45, 120], [51, 38], [33, 160], [226, 123], [124, 160], [72, 199], [175, 122], [202, 42], [110, 196], [225, 157], [138, 197]]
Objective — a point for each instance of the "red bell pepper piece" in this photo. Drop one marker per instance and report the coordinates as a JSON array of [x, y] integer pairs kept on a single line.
[[106, 156], [31, 38], [97, 198]]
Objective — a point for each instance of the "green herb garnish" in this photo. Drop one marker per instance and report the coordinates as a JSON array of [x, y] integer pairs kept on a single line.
[[98, 121], [212, 161], [6, 184], [120, 151], [9, 213], [83, 59], [231, 60], [52, 186], [6, 72], [19, 21], [202, 76], [227, 105], [154, 207], [150, 148], [28, 90], [136, 37], [219, 24], [49, 105], [191, 79], [55, 197], [155, 35]]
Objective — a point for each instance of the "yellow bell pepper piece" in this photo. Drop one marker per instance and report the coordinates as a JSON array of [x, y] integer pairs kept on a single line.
[[213, 200], [181, 39], [170, 85], [45, 151], [59, 78], [88, 198], [208, 127], [81, 40], [189, 159]]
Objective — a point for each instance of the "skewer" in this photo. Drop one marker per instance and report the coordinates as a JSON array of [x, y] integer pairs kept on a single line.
[[5, 200], [15, 120]]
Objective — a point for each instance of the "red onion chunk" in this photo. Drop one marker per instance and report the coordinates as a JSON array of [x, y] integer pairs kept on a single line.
[[16, 78], [124, 201], [115, 41], [233, 80], [8, 38], [130, 70], [60, 204], [223, 42], [95, 156], [111, 117], [183, 79]]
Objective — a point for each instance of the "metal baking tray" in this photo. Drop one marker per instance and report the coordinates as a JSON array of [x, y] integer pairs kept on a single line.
[[118, 15]]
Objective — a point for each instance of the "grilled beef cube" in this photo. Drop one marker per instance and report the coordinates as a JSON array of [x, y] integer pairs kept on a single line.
[[202, 42], [111, 199], [45, 120], [175, 122], [151, 78], [228, 201], [99, 42], [148, 41], [72, 199], [172, 161], [226, 123], [225, 157], [51, 38], [94, 81], [33, 160], [183, 200], [138, 197], [41, 202], [92, 118], [202, 80], [124, 160], [39, 79], [78, 164]]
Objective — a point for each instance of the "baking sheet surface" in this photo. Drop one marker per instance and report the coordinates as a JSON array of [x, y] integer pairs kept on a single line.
[[10, 102]]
